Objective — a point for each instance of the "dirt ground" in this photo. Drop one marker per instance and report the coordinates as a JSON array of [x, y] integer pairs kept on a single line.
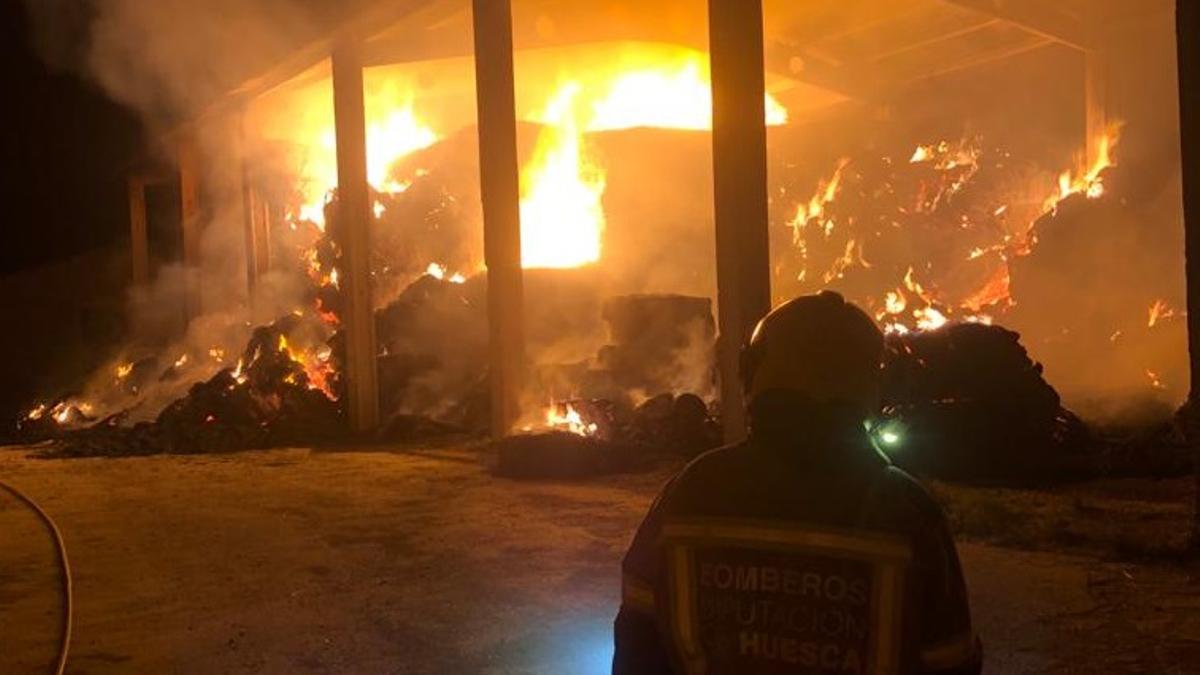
[[298, 561]]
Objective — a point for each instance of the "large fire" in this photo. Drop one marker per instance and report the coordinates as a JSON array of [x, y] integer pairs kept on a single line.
[[393, 131], [562, 187], [562, 218], [916, 296], [562, 184]]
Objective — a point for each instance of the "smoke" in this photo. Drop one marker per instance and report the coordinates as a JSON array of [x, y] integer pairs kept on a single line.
[[166, 59], [170, 61]]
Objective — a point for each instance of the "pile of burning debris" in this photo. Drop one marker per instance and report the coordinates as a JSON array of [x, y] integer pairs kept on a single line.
[[268, 399], [596, 436], [433, 377], [930, 246], [962, 401]]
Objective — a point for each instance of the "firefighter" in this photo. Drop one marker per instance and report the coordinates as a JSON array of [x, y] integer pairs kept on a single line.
[[801, 549]]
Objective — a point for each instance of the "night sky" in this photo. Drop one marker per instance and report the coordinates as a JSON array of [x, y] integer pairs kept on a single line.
[[66, 149]]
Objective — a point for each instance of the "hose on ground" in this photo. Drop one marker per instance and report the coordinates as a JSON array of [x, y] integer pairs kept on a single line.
[[65, 566]]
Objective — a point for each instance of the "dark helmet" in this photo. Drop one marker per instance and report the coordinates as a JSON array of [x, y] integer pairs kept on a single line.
[[819, 345]]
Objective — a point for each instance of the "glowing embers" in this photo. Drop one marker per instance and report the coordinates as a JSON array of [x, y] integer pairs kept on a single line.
[[1159, 311], [948, 211], [439, 272], [316, 365], [926, 314], [63, 413]]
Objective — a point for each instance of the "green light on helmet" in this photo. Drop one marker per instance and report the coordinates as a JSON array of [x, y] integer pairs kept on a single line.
[[889, 436]]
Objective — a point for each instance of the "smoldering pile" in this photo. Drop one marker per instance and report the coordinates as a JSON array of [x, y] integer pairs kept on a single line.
[[662, 343], [967, 402], [285, 389], [268, 399]]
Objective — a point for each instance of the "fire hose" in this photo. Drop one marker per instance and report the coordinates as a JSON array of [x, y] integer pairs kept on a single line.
[[68, 600]]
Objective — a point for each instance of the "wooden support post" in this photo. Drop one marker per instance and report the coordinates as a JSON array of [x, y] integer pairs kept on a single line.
[[258, 232], [354, 236], [1096, 78], [188, 159], [500, 191], [740, 189], [139, 236], [1187, 19], [255, 219]]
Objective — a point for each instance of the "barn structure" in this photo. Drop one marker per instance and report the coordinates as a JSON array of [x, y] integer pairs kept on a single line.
[[836, 53]]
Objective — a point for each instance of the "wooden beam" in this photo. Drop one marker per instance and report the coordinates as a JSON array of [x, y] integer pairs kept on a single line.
[[858, 84], [376, 17], [863, 82], [1035, 16], [500, 192], [353, 237], [188, 159], [934, 40], [1187, 17], [981, 59], [139, 236], [740, 190]]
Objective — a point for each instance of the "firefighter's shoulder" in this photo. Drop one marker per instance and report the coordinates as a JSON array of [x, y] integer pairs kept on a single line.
[[904, 488], [706, 477], [697, 480]]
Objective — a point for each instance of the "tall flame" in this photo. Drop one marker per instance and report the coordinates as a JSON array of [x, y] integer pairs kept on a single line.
[[562, 215], [562, 220]]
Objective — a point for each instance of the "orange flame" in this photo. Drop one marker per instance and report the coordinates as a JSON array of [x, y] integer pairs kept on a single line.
[[1158, 311], [564, 417], [1087, 180]]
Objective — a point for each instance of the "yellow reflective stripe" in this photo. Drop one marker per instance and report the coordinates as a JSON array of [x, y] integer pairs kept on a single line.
[[950, 653], [888, 601], [874, 547], [683, 614], [636, 594]]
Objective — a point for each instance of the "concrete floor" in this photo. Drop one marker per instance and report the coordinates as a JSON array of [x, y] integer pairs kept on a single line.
[[295, 561]]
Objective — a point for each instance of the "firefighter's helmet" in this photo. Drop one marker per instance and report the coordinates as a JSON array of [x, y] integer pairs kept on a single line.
[[819, 345]]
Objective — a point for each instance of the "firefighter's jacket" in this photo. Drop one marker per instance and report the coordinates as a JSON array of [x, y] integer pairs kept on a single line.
[[794, 552]]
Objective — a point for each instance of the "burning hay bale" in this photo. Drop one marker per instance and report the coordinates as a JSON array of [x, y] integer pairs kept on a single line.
[[1124, 337], [270, 398], [967, 402], [678, 424], [587, 437]]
